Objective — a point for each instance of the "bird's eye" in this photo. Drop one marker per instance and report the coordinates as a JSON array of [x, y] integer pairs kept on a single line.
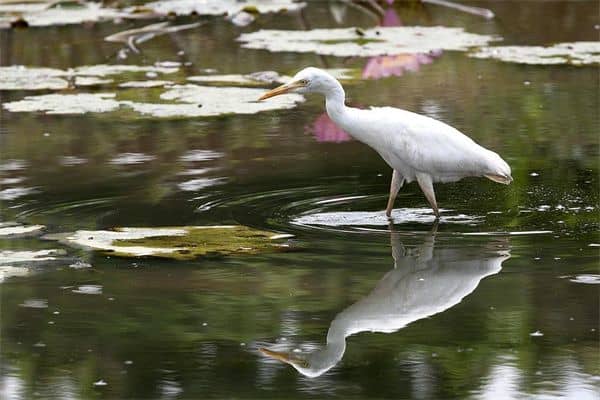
[[304, 81]]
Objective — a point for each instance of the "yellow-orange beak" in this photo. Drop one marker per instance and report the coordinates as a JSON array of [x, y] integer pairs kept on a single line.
[[277, 355], [288, 87]]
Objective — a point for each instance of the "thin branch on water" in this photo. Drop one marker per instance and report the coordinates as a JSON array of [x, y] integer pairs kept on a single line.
[[482, 12]]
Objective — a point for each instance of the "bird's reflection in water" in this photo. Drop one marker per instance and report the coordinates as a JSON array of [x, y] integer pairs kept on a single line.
[[424, 281]]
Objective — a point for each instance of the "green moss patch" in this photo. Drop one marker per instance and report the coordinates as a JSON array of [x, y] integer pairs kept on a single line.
[[179, 243]]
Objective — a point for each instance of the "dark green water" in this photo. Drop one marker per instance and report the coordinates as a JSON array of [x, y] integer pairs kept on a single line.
[[429, 311]]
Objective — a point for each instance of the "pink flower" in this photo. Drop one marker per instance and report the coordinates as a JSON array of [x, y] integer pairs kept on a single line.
[[384, 66], [325, 130], [390, 18]]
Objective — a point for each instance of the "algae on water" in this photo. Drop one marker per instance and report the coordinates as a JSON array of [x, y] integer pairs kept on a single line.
[[180, 243]]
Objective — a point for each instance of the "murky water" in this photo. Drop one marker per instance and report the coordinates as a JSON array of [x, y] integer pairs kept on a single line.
[[499, 300]]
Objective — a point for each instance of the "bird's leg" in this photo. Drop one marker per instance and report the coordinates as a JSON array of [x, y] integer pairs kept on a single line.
[[426, 186], [395, 185]]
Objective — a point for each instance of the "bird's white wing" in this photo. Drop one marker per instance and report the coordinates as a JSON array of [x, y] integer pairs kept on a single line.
[[410, 141]]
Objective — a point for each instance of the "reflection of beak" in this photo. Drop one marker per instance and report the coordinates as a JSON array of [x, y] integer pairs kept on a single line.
[[288, 87], [277, 355]]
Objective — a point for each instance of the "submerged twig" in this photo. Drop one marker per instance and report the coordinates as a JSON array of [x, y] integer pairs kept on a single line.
[[483, 12], [133, 37]]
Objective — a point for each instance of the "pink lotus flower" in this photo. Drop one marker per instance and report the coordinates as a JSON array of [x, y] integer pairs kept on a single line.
[[384, 66], [325, 130]]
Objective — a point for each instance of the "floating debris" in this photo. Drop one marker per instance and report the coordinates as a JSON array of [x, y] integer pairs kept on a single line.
[[200, 155], [195, 185], [181, 243], [88, 289], [9, 271], [14, 230], [13, 165], [536, 333], [589, 279], [575, 53], [377, 218], [26, 256], [131, 158], [35, 303], [80, 265], [15, 193], [69, 161], [100, 382], [380, 41], [242, 19]]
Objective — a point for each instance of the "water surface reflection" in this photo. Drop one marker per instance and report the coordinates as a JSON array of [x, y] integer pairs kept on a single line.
[[425, 281]]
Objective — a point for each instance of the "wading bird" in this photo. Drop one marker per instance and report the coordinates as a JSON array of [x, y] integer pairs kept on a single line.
[[425, 281], [415, 146]]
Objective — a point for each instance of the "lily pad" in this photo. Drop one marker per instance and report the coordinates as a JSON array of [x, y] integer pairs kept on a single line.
[[105, 69], [227, 100], [576, 53], [145, 84], [186, 101], [51, 13], [239, 79], [181, 243], [133, 37], [66, 103], [349, 42], [221, 7], [14, 230], [263, 78], [19, 77], [28, 256]]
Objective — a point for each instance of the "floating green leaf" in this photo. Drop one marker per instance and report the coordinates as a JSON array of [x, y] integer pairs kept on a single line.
[[576, 53], [221, 7], [180, 243], [350, 42]]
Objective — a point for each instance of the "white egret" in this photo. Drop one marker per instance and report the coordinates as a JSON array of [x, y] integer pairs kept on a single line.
[[424, 282], [415, 146]]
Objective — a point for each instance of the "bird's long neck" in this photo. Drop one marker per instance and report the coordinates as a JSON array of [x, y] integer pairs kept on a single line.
[[347, 118], [335, 103]]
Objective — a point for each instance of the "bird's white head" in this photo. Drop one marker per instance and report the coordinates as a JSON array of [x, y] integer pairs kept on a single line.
[[309, 80]]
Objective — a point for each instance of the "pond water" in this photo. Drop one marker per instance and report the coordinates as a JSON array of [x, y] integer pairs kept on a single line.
[[498, 300]]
